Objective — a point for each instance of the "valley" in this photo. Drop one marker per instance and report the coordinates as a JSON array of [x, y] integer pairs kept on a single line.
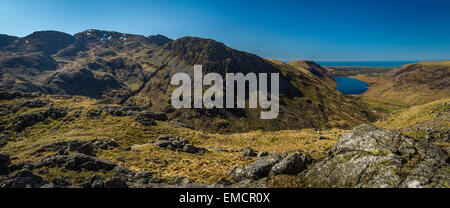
[[93, 110]]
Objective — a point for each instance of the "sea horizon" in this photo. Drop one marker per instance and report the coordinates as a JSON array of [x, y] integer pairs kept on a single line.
[[365, 63]]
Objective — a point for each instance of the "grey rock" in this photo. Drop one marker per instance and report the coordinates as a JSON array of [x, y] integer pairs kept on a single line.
[[48, 186], [263, 154], [96, 181], [189, 148], [20, 166], [372, 157], [291, 165], [5, 160], [63, 151], [87, 149], [115, 183], [162, 143], [121, 171], [81, 161], [23, 179], [248, 152], [224, 182], [256, 170], [25, 120], [61, 183], [52, 161], [164, 138]]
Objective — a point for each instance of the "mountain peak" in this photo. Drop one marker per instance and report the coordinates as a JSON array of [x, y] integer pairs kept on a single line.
[[159, 39]]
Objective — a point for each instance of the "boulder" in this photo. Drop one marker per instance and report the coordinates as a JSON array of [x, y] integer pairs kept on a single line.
[[162, 143], [248, 152], [25, 120], [178, 144], [81, 161], [256, 170], [373, 157], [262, 154], [5, 160], [20, 166], [60, 183], [121, 171], [87, 149], [23, 179], [51, 161], [291, 165], [105, 144], [115, 183], [189, 148], [164, 138], [96, 181]]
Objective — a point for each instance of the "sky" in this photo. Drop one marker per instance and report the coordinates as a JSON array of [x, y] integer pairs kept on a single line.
[[344, 30]]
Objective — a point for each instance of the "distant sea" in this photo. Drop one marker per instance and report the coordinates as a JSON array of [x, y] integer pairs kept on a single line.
[[365, 63]]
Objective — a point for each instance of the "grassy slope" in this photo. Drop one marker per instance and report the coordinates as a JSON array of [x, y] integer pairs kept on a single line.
[[416, 115], [207, 168], [422, 120], [411, 84]]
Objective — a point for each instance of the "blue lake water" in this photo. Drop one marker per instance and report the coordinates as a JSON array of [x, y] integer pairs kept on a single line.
[[350, 86]]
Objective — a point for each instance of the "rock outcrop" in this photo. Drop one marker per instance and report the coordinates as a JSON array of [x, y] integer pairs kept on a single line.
[[287, 164], [372, 157], [178, 144]]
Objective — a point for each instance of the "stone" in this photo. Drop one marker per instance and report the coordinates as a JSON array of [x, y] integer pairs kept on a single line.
[[189, 148], [63, 151], [115, 183], [51, 161], [121, 171], [291, 165], [23, 179], [87, 149], [162, 143], [164, 138], [248, 152], [59, 182], [96, 181], [224, 182], [81, 161], [20, 166], [263, 154], [371, 157], [5, 160], [260, 168]]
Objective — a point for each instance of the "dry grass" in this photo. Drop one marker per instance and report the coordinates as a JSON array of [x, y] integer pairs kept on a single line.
[[411, 84], [165, 163], [416, 114]]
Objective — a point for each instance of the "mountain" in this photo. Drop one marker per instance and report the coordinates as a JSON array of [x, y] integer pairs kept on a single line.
[[412, 84], [316, 69], [135, 70]]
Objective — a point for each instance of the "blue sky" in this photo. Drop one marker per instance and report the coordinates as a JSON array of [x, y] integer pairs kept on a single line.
[[383, 30]]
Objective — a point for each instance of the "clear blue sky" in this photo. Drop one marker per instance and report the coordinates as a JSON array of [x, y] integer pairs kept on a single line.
[[319, 30]]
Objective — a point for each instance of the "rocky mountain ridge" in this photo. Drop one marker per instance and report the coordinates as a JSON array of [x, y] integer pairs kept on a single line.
[[135, 70]]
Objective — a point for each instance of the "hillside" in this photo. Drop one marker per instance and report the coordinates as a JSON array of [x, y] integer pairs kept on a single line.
[[411, 84], [135, 70], [430, 121], [77, 142], [315, 69]]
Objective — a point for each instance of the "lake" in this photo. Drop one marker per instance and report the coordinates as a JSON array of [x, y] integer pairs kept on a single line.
[[350, 86]]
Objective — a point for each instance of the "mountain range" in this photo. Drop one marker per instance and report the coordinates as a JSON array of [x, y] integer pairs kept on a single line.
[[135, 70]]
